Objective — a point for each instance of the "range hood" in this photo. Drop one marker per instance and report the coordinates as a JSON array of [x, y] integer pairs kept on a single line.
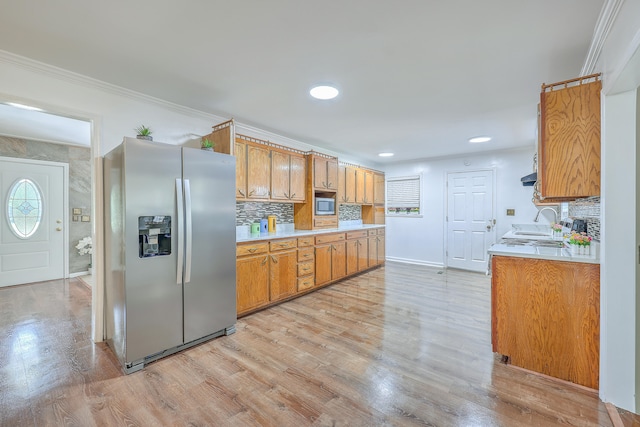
[[530, 179]]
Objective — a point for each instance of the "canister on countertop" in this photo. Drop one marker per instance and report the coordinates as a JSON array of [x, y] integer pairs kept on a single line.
[[264, 227], [272, 223], [255, 228]]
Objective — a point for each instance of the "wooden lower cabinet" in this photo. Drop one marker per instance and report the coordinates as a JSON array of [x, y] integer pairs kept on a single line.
[[283, 279], [546, 316], [252, 282], [269, 272]]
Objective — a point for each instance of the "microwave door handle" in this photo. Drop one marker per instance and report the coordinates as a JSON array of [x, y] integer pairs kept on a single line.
[[180, 233], [188, 231]]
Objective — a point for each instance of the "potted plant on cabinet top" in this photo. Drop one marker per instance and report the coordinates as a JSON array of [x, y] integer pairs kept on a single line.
[[207, 145], [143, 133]]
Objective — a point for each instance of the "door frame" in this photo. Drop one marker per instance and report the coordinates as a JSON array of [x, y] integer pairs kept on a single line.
[[65, 203], [445, 237], [95, 120]]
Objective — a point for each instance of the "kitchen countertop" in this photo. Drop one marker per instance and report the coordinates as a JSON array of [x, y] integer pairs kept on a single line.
[[243, 235], [504, 248]]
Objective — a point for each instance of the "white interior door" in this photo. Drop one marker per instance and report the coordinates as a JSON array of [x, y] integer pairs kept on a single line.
[[32, 223], [470, 219]]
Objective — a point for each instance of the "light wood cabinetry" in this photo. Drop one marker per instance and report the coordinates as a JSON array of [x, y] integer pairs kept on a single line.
[[376, 249], [357, 251], [258, 172], [241, 170], [288, 176], [223, 137], [325, 172], [569, 143], [378, 189], [346, 184], [252, 276], [545, 316], [331, 258], [272, 271], [364, 187]]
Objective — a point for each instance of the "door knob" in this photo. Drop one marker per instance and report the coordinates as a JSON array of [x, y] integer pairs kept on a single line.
[[58, 221], [58, 228]]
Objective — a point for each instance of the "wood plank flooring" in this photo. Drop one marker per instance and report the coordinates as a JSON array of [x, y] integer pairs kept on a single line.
[[401, 345]]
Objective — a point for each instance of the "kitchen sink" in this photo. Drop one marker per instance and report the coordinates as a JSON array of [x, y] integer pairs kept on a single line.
[[527, 242], [530, 233]]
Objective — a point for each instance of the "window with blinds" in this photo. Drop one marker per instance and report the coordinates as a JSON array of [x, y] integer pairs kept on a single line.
[[403, 196]]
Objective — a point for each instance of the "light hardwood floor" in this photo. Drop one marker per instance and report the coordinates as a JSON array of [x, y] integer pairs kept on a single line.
[[400, 345]]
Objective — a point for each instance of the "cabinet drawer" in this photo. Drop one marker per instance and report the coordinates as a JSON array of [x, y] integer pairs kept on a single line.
[[252, 249], [328, 238], [305, 283], [305, 254], [325, 222], [305, 241], [305, 269], [280, 245], [381, 231], [357, 234], [373, 232]]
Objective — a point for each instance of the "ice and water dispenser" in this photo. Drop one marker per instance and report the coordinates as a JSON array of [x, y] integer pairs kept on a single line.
[[154, 235]]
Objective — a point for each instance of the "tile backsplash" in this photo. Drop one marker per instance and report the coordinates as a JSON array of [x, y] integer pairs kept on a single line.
[[588, 209], [248, 212]]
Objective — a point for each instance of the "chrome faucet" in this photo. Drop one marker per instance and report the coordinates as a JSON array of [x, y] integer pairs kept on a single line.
[[555, 214]]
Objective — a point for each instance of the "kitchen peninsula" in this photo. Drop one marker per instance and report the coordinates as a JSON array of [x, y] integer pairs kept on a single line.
[[545, 309]]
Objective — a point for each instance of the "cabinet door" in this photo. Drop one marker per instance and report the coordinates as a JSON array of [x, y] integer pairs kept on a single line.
[[363, 254], [252, 282], [280, 173], [352, 256], [381, 250], [283, 274], [569, 151], [332, 174], [298, 178], [323, 264], [368, 187], [350, 184], [341, 196], [378, 189], [373, 251], [241, 170], [258, 172], [338, 260], [320, 173], [360, 192]]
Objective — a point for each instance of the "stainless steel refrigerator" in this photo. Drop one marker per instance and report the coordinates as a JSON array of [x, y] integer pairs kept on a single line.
[[170, 278]]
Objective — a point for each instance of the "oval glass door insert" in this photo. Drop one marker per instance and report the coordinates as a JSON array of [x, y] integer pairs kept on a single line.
[[24, 208]]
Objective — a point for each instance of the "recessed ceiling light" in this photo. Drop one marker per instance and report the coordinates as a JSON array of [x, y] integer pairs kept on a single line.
[[385, 154], [479, 139], [324, 92], [24, 107]]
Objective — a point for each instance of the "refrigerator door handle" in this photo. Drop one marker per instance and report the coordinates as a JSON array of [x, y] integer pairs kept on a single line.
[[188, 232], [180, 222]]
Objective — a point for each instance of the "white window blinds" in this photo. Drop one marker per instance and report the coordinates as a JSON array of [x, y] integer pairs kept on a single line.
[[403, 195]]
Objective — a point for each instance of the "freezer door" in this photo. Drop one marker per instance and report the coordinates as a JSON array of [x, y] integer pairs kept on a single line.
[[210, 263], [153, 297]]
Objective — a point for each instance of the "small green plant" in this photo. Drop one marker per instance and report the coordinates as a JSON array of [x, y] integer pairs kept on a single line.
[[207, 144], [143, 130]]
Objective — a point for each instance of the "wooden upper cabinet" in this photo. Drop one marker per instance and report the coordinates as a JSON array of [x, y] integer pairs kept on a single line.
[[288, 176], [346, 184], [325, 173], [258, 172], [378, 189], [241, 170], [364, 187], [569, 146]]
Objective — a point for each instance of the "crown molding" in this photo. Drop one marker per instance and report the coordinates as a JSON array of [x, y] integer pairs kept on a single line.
[[89, 82], [607, 17]]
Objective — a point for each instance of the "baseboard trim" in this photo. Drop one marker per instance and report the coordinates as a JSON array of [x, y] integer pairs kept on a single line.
[[415, 261]]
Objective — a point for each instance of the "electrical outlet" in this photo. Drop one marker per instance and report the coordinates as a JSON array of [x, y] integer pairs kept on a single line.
[[511, 212]]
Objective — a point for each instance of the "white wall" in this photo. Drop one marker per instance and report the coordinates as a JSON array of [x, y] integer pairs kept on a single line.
[[618, 252], [421, 240]]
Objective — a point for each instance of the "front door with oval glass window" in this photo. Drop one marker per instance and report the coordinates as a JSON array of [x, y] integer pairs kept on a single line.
[[32, 233]]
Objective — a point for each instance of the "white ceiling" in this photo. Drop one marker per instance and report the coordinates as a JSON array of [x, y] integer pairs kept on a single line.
[[417, 77]]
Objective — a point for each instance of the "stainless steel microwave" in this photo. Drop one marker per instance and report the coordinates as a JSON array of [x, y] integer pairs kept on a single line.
[[325, 206]]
